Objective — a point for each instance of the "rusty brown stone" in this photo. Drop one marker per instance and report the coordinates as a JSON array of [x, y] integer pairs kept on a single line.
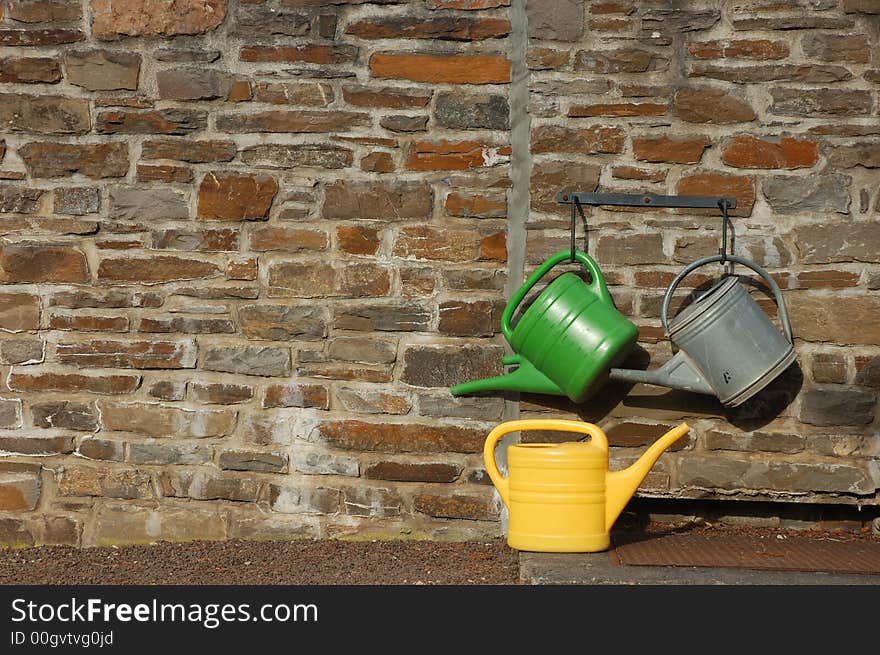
[[233, 197], [113, 19]]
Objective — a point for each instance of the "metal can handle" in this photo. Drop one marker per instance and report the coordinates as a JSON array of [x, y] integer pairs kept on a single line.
[[780, 301]]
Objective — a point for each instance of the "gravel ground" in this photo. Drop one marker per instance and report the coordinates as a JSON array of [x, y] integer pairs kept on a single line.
[[321, 562], [300, 562]]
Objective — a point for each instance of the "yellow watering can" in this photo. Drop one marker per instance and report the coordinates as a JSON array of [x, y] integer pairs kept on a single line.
[[561, 497]]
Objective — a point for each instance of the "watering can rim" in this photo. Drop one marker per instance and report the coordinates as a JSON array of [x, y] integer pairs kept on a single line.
[[702, 304]]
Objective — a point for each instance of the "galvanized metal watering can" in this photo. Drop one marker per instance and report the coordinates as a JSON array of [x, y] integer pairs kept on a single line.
[[566, 342], [561, 497], [728, 347]]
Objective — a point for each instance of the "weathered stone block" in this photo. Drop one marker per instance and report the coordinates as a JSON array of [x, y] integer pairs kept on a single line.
[[394, 317], [344, 200], [162, 452], [304, 499], [283, 322], [248, 360], [165, 421], [412, 471], [98, 160], [20, 486], [131, 524], [472, 112], [817, 244], [44, 114], [113, 19], [101, 353], [318, 463], [76, 480], [143, 204], [253, 460], [823, 193], [65, 415], [19, 312], [102, 70], [297, 395], [231, 197], [837, 405], [398, 437], [458, 506], [556, 20], [442, 366]]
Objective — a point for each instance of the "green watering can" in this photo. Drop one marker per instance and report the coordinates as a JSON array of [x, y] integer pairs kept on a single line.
[[567, 341]]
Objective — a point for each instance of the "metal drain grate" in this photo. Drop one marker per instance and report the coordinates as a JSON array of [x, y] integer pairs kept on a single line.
[[763, 553]]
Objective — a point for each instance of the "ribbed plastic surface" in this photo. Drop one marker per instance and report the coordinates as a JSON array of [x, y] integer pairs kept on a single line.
[[762, 553]]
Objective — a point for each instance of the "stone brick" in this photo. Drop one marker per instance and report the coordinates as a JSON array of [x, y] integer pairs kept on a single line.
[[192, 151], [822, 193], [820, 102], [43, 11], [720, 184], [312, 280], [600, 139], [623, 60], [132, 524], [259, 20], [660, 26], [557, 20], [366, 350], [868, 373], [197, 240], [283, 322], [399, 437], [113, 19], [157, 451], [837, 405], [310, 54], [31, 262], [143, 204], [10, 413], [454, 155], [73, 382], [19, 312], [396, 317], [761, 49], [296, 156], [617, 109], [100, 353], [44, 114], [305, 94], [388, 97], [66, 415], [102, 449], [817, 244], [186, 325], [248, 360], [252, 460], [21, 351], [377, 162], [243, 269], [441, 69], [471, 112], [297, 395], [853, 48], [442, 366], [371, 501], [439, 244], [708, 105], [835, 319], [448, 28], [191, 84], [319, 463], [158, 420], [152, 121], [16, 37], [630, 434], [371, 401], [29, 70], [98, 160], [155, 269], [476, 205], [746, 151], [412, 471], [862, 154], [671, 150], [401, 123], [191, 55], [828, 367], [804, 74], [164, 173], [300, 499], [293, 121], [772, 442], [231, 197], [115, 298], [19, 201], [20, 487], [30, 445], [365, 201], [458, 506], [472, 318], [551, 177], [728, 473], [102, 70], [484, 408], [631, 249]]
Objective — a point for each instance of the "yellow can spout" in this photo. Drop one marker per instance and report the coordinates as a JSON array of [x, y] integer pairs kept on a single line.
[[621, 485]]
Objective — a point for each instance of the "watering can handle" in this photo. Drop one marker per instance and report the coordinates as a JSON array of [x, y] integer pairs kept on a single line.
[[561, 425], [783, 312], [597, 284]]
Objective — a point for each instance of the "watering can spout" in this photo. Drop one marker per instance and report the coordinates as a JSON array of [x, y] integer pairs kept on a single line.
[[621, 485], [677, 373], [526, 378]]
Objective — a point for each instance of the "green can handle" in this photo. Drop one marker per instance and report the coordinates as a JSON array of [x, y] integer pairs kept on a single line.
[[597, 285]]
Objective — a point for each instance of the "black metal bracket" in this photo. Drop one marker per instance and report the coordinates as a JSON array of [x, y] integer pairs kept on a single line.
[[575, 198]]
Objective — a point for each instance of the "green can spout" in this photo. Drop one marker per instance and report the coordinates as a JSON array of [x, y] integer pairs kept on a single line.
[[525, 378]]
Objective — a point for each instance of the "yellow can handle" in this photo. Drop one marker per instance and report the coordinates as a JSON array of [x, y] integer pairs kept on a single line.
[[560, 425]]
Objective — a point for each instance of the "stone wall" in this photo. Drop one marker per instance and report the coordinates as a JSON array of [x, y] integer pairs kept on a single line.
[[774, 103], [248, 245]]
